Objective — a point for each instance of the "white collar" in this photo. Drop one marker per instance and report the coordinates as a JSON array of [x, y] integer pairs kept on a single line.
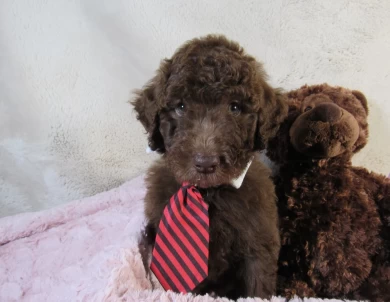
[[237, 182]]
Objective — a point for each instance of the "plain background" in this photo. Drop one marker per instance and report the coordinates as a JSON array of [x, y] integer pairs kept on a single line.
[[67, 69]]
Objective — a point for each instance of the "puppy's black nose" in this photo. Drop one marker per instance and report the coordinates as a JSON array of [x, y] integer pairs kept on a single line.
[[327, 112], [206, 163]]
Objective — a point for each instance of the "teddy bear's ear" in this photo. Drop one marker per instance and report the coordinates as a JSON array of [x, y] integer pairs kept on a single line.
[[148, 103], [361, 97]]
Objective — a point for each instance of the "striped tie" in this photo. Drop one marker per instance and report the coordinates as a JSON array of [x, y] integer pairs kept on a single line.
[[181, 251]]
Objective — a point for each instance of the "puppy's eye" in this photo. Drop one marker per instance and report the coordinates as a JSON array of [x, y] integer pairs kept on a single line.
[[235, 108], [308, 108], [180, 109]]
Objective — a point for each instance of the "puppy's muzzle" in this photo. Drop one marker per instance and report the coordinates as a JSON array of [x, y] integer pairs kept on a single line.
[[206, 163]]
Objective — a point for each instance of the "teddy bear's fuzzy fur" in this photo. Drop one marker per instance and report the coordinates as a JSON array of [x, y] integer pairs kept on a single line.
[[335, 218]]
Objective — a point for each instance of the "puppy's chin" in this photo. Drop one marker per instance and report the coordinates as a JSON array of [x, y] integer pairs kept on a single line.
[[184, 171], [205, 181]]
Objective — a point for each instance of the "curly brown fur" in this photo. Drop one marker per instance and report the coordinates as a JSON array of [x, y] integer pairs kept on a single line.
[[211, 101], [334, 217]]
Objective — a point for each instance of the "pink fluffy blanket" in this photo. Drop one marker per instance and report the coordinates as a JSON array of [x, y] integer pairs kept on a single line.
[[85, 250]]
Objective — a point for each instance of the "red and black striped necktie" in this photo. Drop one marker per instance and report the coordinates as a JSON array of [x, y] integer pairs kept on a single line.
[[181, 251]]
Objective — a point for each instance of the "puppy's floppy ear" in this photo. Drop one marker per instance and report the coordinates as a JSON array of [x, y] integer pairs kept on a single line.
[[148, 103], [278, 147], [272, 113]]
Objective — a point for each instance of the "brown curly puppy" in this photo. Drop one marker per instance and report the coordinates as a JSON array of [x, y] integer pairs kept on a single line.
[[335, 218], [208, 110]]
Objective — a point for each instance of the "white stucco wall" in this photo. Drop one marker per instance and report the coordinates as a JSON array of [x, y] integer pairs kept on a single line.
[[67, 69]]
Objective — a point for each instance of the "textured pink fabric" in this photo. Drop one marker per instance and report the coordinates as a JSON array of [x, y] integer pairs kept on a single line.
[[68, 253], [84, 251]]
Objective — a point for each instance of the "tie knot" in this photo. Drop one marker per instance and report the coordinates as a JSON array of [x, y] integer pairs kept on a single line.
[[186, 186]]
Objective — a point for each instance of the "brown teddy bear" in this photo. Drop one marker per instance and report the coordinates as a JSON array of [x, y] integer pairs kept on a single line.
[[335, 218]]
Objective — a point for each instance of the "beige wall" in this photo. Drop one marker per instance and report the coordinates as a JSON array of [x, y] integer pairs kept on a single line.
[[67, 69]]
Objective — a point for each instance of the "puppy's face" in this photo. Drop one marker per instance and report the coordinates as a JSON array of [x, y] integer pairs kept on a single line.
[[208, 143], [207, 110]]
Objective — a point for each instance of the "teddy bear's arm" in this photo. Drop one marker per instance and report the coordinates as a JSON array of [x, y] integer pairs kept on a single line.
[[338, 267], [377, 186], [298, 288], [376, 287], [383, 202]]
